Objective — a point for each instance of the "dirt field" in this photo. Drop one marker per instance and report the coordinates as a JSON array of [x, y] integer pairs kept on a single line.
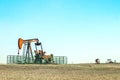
[[60, 72]]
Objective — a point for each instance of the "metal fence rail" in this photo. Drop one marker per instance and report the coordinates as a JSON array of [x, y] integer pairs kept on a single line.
[[60, 59], [15, 59]]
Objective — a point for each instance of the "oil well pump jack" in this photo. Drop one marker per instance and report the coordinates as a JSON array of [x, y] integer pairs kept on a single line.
[[28, 57]]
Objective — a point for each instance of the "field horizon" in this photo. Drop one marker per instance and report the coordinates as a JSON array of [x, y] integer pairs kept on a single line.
[[59, 72]]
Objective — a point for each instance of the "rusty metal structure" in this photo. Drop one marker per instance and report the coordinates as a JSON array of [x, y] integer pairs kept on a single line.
[[28, 57], [30, 51]]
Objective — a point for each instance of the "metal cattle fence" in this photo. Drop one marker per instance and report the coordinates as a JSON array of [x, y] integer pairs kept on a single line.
[[15, 59]]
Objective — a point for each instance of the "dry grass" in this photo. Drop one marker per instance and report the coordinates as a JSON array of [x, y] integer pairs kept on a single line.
[[60, 72]]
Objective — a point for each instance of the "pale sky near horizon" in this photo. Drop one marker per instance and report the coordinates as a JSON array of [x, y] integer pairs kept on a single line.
[[82, 30]]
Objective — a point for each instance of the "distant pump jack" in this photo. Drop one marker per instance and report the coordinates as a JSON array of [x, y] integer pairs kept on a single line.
[[39, 57]]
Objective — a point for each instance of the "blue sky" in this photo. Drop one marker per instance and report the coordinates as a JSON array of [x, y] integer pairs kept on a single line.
[[82, 30]]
